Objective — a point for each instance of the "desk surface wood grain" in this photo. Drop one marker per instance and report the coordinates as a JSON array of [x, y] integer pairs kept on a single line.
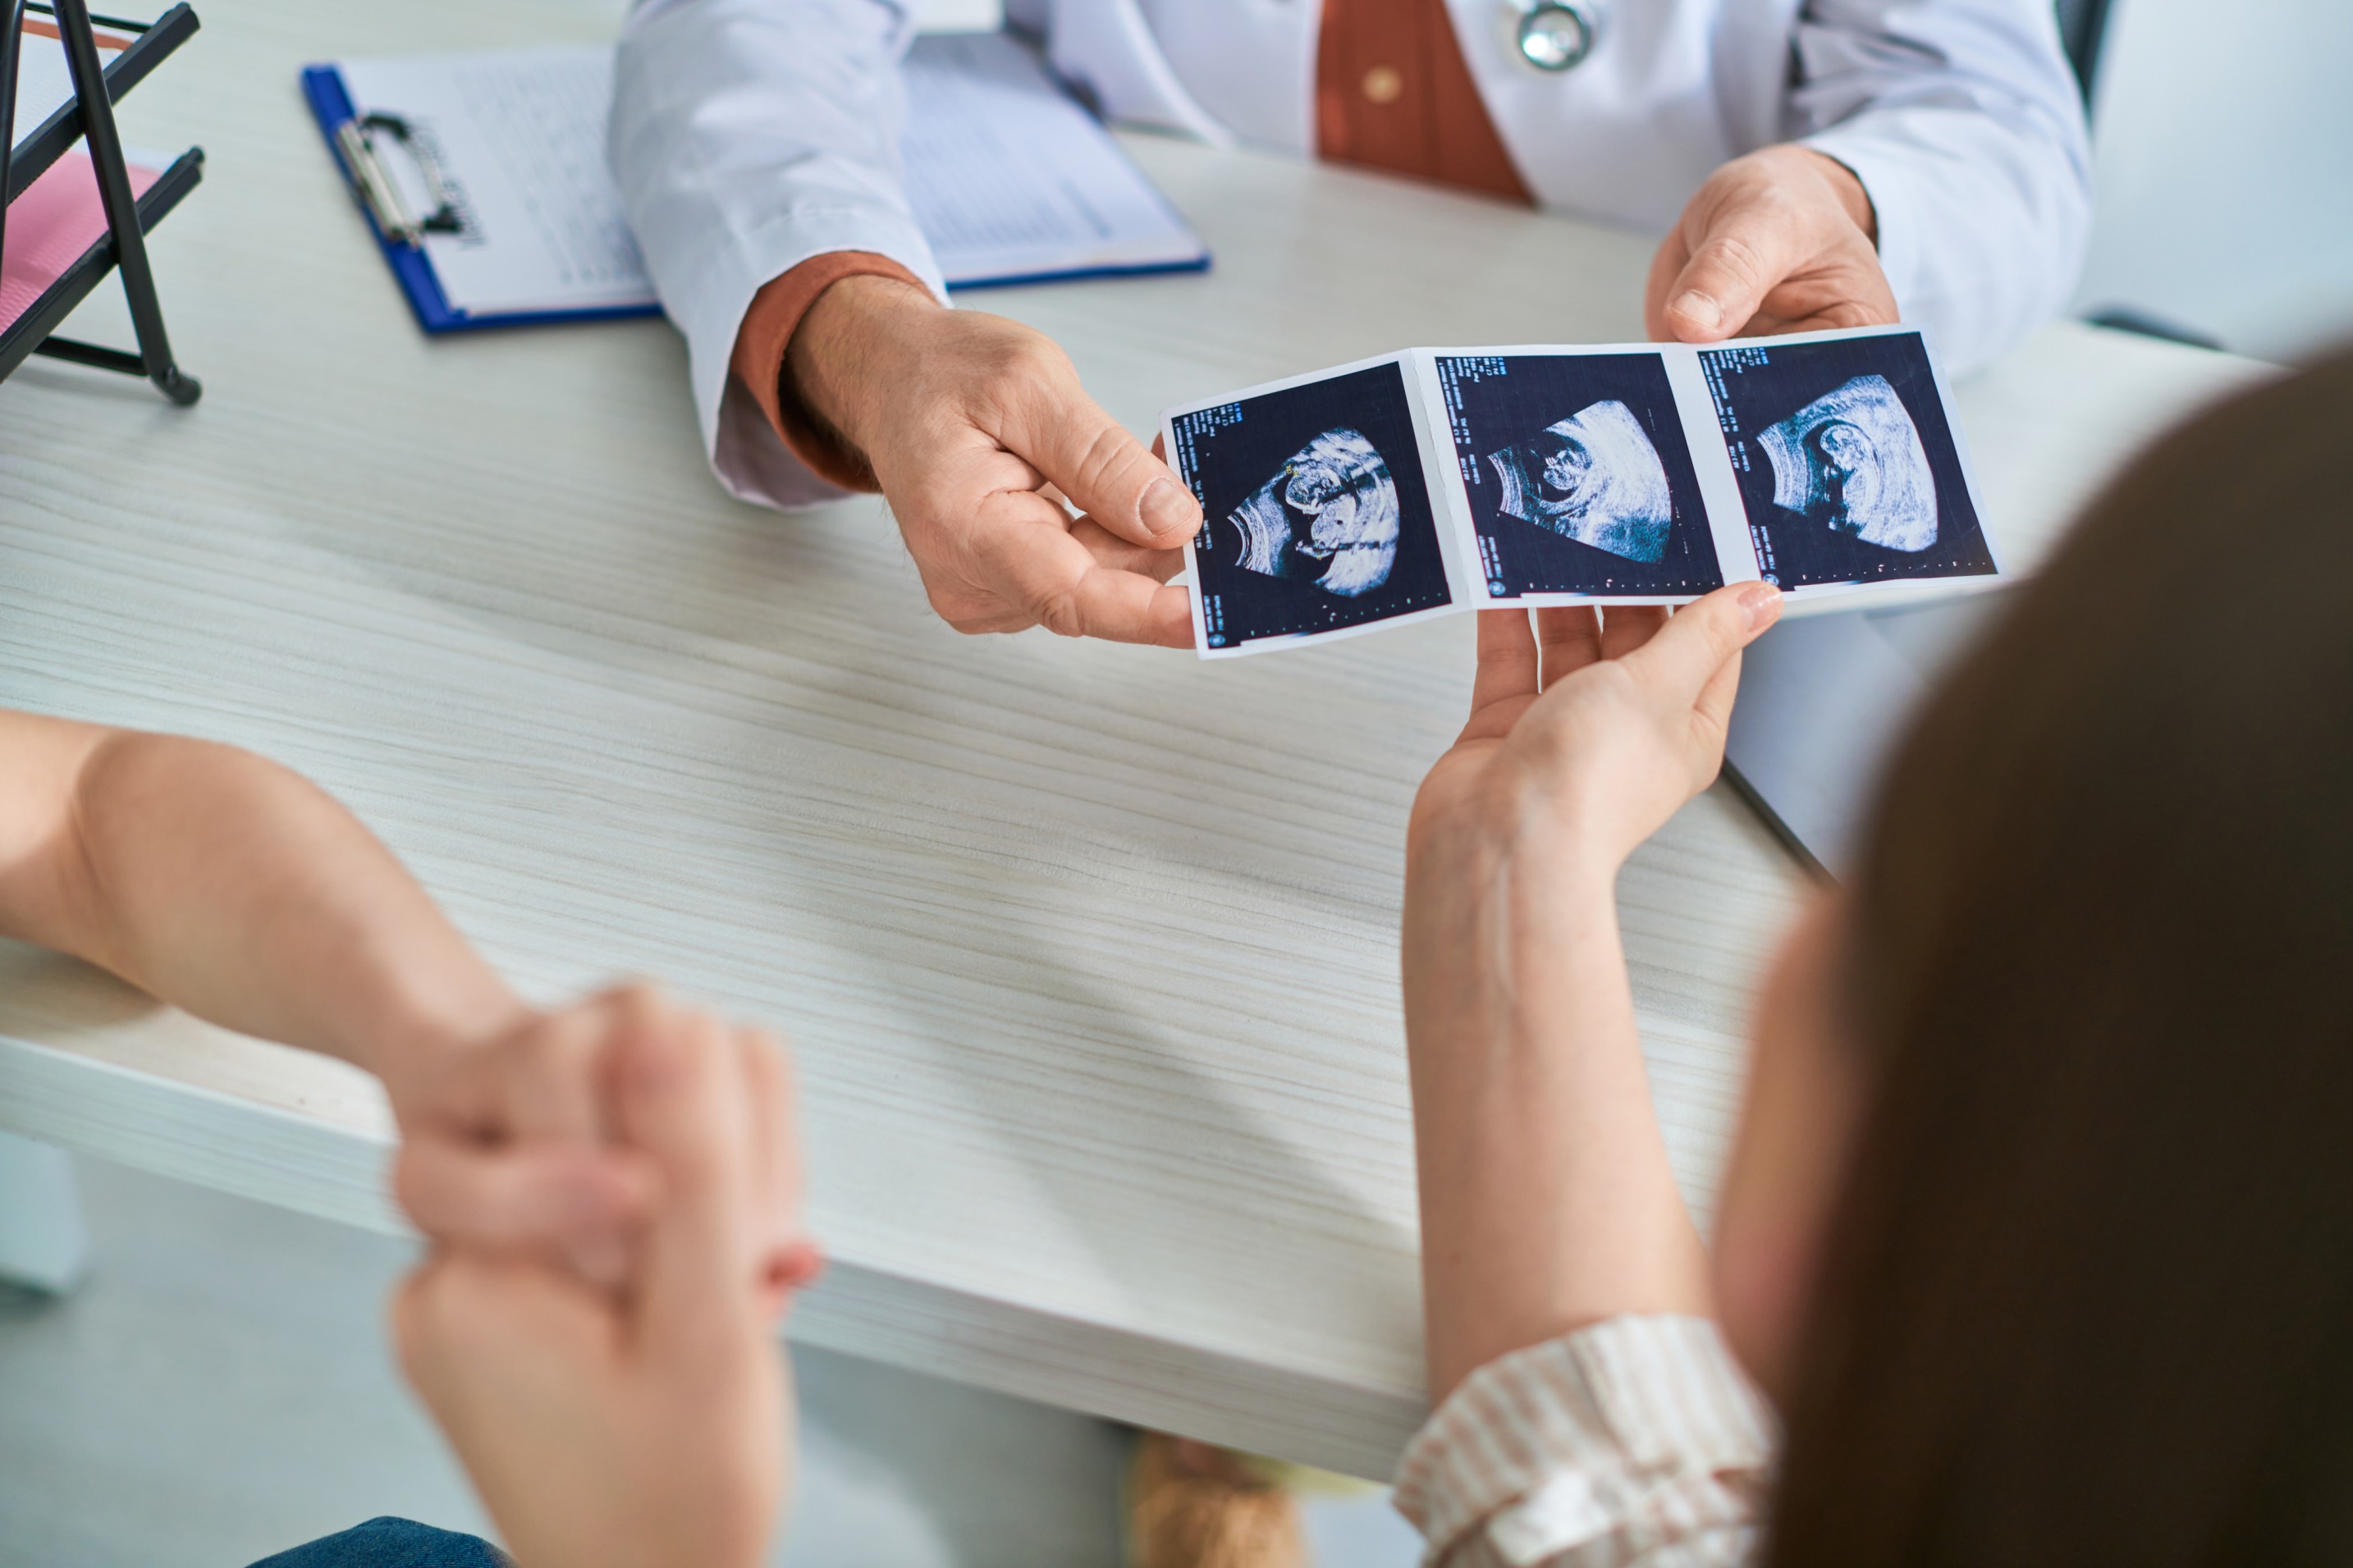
[[1088, 952]]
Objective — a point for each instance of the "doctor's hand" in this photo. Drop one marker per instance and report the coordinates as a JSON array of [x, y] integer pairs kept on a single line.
[[967, 419], [648, 1425], [1783, 240]]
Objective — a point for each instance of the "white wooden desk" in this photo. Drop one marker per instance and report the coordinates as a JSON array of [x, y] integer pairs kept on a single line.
[[1088, 951]]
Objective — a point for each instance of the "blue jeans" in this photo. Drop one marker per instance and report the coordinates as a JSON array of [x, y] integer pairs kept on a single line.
[[393, 1543]]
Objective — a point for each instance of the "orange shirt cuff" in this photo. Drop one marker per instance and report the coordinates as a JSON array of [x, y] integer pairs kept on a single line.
[[759, 360]]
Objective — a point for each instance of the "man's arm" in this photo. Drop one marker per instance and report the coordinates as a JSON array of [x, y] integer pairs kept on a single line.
[[757, 145], [749, 137], [1942, 175], [1963, 123]]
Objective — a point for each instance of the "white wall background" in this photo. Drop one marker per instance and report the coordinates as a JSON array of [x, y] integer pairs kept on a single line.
[[2223, 147]]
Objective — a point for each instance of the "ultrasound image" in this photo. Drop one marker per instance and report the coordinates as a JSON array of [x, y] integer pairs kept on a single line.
[[1577, 474], [1846, 460], [1317, 513], [1594, 477], [1851, 460], [1330, 514]]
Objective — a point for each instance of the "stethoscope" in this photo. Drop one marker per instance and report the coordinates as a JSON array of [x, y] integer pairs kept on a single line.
[[1556, 35]]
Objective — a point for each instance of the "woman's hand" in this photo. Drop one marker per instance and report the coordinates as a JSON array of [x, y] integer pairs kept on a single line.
[[511, 1144], [648, 1426], [1593, 730], [1546, 1199]]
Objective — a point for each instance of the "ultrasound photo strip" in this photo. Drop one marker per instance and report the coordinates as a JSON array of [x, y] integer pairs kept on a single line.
[[1434, 481]]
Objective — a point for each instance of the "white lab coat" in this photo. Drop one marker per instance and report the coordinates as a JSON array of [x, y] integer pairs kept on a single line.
[[749, 135]]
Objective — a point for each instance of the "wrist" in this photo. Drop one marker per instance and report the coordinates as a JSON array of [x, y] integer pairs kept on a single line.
[[408, 1051], [1846, 187], [1527, 825], [1494, 900], [846, 352]]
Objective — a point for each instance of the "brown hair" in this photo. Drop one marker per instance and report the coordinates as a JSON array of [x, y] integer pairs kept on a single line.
[[2088, 1297]]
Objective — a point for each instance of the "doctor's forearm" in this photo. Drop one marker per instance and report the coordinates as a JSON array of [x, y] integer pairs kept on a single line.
[[1966, 123]]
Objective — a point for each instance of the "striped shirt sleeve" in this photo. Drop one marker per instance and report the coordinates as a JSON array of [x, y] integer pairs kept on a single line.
[[1634, 1441]]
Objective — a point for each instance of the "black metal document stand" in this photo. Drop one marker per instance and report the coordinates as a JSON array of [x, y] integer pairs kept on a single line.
[[90, 116]]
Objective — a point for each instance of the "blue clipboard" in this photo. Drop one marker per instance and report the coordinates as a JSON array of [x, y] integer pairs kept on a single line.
[[331, 105]]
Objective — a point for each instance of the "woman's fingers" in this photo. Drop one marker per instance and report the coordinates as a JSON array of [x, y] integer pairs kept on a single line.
[[1685, 654], [1714, 708], [787, 1259], [507, 1146], [564, 1201], [1506, 681], [683, 1103], [1625, 628], [1570, 639], [529, 1149], [1691, 650], [546, 1078]]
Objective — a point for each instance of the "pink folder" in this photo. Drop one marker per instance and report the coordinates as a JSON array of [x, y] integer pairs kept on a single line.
[[51, 227]]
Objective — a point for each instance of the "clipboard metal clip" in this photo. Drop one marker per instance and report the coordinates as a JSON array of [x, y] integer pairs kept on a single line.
[[355, 138]]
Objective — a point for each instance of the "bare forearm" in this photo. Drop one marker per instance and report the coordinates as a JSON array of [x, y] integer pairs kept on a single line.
[[1547, 1200], [230, 887]]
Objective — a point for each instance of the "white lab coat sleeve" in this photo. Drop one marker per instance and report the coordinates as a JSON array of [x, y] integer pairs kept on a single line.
[[1963, 121], [748, 136]]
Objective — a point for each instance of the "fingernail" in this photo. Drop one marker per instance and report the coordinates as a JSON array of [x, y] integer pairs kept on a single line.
[[1167, 510], [797, 1267], [1699, 310], [1763, 603]]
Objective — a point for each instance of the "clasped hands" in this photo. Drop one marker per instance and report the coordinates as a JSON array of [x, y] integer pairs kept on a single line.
[[612, 1190], [978, 430]]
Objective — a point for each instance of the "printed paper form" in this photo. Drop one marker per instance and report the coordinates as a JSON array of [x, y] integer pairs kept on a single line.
[[1008, 176], [519, 137]]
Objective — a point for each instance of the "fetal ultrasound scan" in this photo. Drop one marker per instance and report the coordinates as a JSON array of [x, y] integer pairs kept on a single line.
[[1847, 464], [1329, 515], [1577, 474], [1570, 474], [1317, 515]]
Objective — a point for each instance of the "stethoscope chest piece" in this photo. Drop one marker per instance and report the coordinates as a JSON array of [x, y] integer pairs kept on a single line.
[[1558, 34]]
